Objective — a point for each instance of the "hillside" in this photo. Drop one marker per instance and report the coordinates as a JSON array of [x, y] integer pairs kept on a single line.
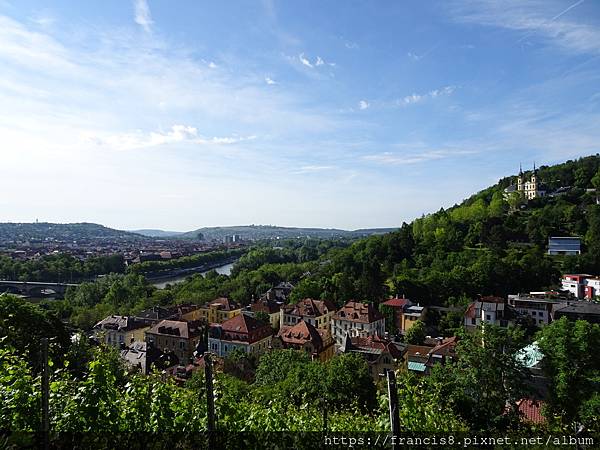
[[489, 244], [63, 232], [157, 233], [257, 232]]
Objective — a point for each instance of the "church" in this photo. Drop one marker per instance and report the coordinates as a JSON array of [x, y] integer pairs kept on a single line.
[[528, 189]]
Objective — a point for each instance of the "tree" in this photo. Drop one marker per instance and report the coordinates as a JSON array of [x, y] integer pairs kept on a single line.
[[572, 366], [349, 382], [416, 334], [486, 381], [274, 366], [23, 324]]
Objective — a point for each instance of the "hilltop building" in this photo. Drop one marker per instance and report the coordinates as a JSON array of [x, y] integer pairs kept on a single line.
[[570, 245], [528, 189]]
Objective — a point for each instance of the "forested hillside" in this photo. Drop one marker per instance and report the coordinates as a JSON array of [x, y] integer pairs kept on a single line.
[[488, 244]]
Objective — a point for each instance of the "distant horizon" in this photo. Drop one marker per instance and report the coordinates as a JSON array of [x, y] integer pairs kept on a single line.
[[133, 230], [300, 113]]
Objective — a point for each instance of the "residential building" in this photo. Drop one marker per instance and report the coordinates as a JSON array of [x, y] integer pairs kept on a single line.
[[119, 331], [155, 314], [538, 309], [139, 356], [564, 245], [582, 285], [316, 312], [579, 310], [420, 359], [240, 332], [217, 311], [179, 337], [380, 354], [357, 319], [270, 307], [489, 310], [303, 336], [405, 313], [281, 292]]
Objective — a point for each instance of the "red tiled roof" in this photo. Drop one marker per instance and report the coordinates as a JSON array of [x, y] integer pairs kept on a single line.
[[396, 302], [376, 342], [447, 347], [301, 333], [242, 324], [531, 410], [358, 312], [310, 308]]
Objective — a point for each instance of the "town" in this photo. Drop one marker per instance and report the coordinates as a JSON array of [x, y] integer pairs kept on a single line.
[[299, 224]]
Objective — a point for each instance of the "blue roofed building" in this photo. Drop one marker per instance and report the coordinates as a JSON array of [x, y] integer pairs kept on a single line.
[[564, 245]]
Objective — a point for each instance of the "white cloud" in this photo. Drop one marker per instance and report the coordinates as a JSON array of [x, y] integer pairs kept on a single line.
[[142, 15], [269, 80], [212, 65], [417, 98], [318, 61], [304, 61], [363, 104]]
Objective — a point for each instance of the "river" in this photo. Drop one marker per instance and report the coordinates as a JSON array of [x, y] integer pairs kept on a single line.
[[223, 270]]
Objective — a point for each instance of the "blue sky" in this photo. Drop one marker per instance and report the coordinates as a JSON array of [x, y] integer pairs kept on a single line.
[[181, 114]]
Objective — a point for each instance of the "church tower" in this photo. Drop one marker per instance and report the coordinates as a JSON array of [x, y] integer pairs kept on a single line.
[[520, 179]]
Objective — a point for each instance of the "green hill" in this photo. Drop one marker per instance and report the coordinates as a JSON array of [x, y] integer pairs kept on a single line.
[[483, 245], [258, 232]]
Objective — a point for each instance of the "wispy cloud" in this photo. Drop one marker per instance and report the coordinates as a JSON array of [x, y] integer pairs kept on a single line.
[[363, 104], [142, 15], [417, 98], [397, 158], [312, 169], [176, 134], [547, 20], [270, 80], [305, 61]]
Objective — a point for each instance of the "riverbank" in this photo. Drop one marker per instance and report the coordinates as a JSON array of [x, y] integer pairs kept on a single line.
[[222, 268]]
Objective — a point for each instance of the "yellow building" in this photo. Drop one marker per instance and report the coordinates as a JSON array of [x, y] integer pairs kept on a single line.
[[527, 189], [120, 330], [316, 312], [216, 311]]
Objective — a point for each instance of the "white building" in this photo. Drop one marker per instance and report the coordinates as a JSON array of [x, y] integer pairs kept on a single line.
[[357, 319]]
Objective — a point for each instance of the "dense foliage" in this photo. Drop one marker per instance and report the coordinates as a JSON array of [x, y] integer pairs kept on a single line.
[[185, 262], [59, 268]]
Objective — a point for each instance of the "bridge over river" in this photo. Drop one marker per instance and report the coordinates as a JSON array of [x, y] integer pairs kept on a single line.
[[35, 288]]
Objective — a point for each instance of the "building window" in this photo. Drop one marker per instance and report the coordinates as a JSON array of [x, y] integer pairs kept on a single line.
[[488, 317], [473, 321]]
